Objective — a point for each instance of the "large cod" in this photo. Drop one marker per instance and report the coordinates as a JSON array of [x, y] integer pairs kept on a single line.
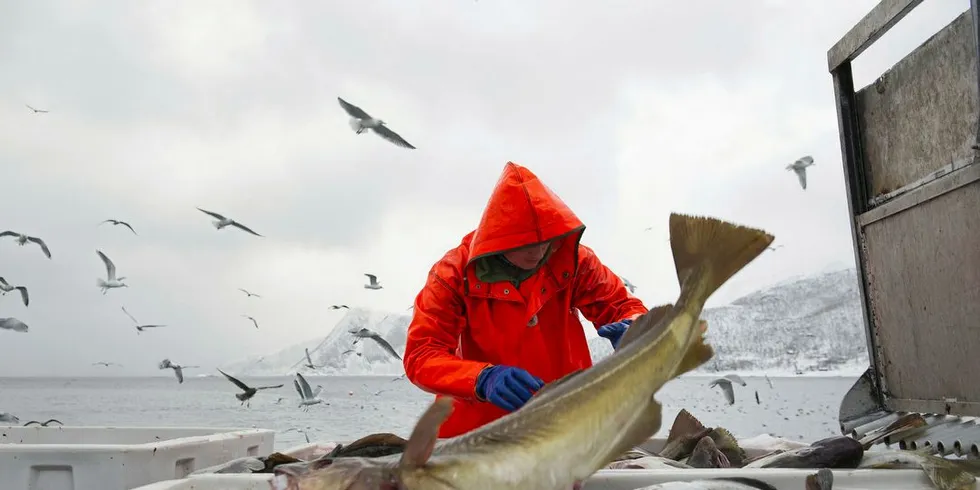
[[578, 424]]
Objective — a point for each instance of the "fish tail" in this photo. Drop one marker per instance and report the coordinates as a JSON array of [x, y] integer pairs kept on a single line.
[[728, 445], [708, 252], [946, 475]]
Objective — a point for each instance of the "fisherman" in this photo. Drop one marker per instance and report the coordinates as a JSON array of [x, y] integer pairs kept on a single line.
[[497, 317]]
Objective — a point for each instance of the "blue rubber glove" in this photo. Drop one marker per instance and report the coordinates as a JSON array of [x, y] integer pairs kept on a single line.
[[614, 331], [507, 387]]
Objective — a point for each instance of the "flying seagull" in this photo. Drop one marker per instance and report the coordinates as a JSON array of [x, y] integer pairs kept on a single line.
[[9, 418], [337, 307], [774, 247], [106, 364], [629, 285], [45, 423], [6, 288], [247, 391], [22, 240], [139, 328], [110, 281], [726, 386], [365, 333], [309, 362], [178, 369], [248, 293], [799, 167], [221, 222], [307, 397], [117, 222], [13, 324], [36, 111], [253, 320], [361, 121], [372, 282]]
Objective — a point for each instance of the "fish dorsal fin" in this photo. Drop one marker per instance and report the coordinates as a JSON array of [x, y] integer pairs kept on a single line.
[[684, 424], [644, 323], [420, 444], [728, 445]]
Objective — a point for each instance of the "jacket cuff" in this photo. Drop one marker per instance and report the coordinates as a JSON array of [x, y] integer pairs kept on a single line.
[[479, 379]]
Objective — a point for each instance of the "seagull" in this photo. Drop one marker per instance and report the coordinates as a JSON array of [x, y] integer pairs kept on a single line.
[[117, 222], [9, 418], [361, 121], [178, 369], [365, 333], [13, 324], [757, 402], [337, 307], [111, 281], [373, 282], [22, 240], [43, 424], [799, 167], [247, 391], [248, 293], [36, 111], [222, 222], [307, 397], [253, 320], [106, 364], [768, 381], [726, 386], [6, 288], [309, 362], [139, 328], [774, 247], [629, 285]]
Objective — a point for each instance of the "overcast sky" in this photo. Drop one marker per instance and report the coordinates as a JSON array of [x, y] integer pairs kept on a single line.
[[628, 110]]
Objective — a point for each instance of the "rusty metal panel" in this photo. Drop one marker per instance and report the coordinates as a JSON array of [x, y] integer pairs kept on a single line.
[[921, 114], [923, 284]]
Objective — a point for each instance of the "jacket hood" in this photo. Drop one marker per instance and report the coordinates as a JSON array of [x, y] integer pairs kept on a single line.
[[521, 211]]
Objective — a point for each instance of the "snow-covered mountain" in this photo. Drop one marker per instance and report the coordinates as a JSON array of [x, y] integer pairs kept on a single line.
[[336, 353], [801, 325]]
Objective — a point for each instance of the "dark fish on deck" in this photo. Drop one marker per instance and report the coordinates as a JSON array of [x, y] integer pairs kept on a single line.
[[823, 479], [832, 452], [250, 464], [371, 446], [577, 425]]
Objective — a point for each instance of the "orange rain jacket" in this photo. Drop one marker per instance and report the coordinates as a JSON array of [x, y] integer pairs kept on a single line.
[[462, 326]]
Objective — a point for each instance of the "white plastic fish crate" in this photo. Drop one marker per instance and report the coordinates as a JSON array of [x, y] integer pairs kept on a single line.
[[781, 479], [117, 458]]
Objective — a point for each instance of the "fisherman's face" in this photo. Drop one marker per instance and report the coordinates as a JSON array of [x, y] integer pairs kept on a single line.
[[529, 256]]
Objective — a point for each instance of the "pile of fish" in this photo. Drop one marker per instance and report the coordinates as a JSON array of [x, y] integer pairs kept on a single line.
[[690, 445], [597, 418]]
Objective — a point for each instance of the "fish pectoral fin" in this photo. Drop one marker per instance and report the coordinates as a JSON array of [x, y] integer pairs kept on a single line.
[[651, 320], [648, 423], [420, 444], [697, 354], [946, 475]]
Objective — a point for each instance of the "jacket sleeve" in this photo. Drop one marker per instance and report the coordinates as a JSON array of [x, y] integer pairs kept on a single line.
[[600, 294], [431, 362]]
